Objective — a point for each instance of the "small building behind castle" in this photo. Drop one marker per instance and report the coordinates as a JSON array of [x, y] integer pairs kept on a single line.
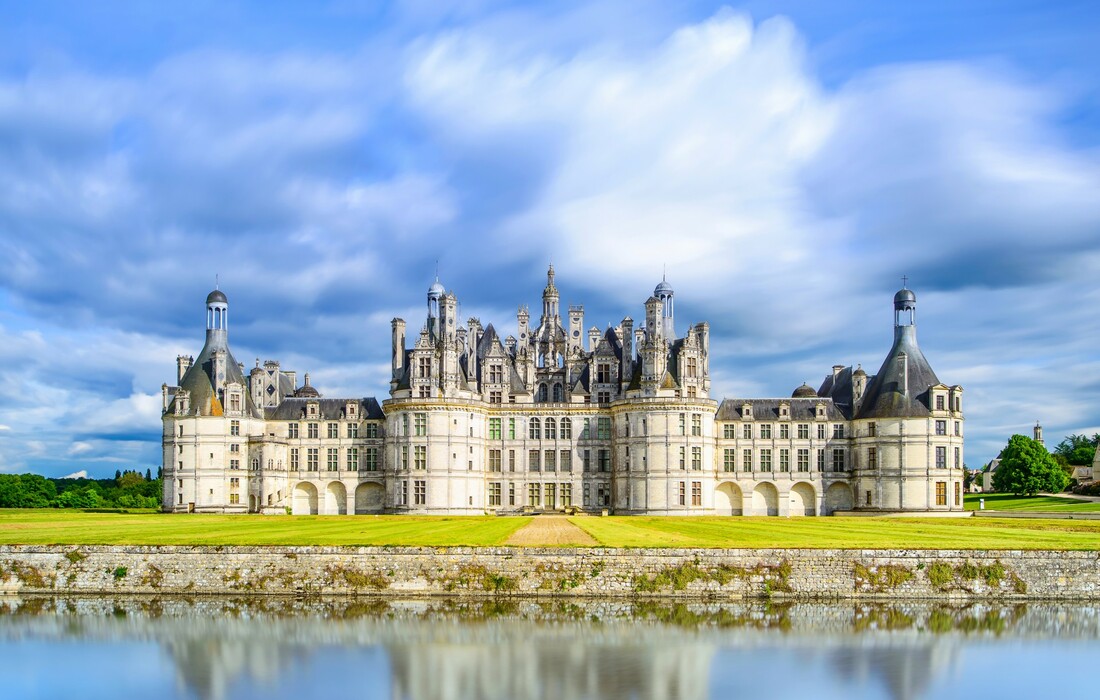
[[559, 417]]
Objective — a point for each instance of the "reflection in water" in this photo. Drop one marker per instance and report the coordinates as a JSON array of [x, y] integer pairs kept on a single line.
[[273, 648]]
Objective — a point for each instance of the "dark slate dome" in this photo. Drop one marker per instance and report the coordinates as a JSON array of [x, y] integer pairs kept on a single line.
[[216, 296], [804, 392], [306, 391], [905, 295]]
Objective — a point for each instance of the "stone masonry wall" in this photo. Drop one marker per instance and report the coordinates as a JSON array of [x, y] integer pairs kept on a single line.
[[607, 573]]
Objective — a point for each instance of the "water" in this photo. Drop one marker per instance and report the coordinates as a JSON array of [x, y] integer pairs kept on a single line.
[[215, 648]]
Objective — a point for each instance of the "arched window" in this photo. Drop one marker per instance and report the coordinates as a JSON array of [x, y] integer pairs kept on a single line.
[[551, 429], [533, 429], [566, 428], [558, 393], [542, 360], [542, 393]]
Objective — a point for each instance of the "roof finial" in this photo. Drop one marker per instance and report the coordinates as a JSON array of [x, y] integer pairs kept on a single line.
[[905, 281], [664, 272], [217, 282]]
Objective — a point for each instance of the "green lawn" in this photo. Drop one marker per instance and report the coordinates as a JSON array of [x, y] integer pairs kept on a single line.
[[68, 527], [1040, 504]]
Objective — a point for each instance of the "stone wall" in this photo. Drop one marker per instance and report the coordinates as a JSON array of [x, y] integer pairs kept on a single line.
[[615, 573]]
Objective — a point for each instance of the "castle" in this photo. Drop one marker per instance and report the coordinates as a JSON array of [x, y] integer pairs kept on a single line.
[[559, 418]]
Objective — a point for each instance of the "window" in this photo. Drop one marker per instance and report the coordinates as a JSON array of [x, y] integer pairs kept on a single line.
[[784, 431], [565, 429], [586, 461], [566, 462], [534, 495], [234, 464], [697, 458], [292, 431], [511, 494], [729, 460], [294, 458], [683, 457], [314, 430], [603, 428], [803, 431], [729, 432], [311, 459], [420, 493], [603, 460], [333, 462], [587, 494], [958, 428], [404, 423], [820, 431], [939, 402], [420, 424], [941, 458], [235, 483], [941, 493], [370, 462], [424, 367], [803, 460], [683, 424], [420, 457], [872, 429], [181, 431], [941, 427], [511, 428], [550, 489], [403, 499], [234, 498], [683, 493], [495, 397], [550, 463], [494, 493], [234, 427], [958, 458], [566, 495], [603, 373], [494, 461], [496, 374], [234, 402], [958, 494], [533, 460], [353, 430], [405, 457], [511, 460], [333, 430], [696, 493], [838, 460], [551, 427], [696, 424], [766, 459], [494, 428], [690, 367], [603, 494], [586, 432], [867, 498], [234, 447], [821, 460], [958, 404], [872, 458], [766, 431], [746, 431], [353, 459], [372, 430], [534, 429], [746, 460], [838, 430], [559, 394], [784, 460]]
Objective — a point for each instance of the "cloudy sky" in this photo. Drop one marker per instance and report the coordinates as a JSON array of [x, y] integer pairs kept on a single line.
[[785, 163]]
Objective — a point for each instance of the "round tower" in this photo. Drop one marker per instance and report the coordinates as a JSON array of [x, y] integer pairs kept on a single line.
[[663, 292], [217, 316]]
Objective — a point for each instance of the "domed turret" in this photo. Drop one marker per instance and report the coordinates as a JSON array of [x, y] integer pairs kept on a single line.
[[436, 290], [663, 291], [306, 391], [216, 296], [804, 392]]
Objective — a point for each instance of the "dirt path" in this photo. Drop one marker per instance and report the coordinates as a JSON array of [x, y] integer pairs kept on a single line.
[[550, 531]]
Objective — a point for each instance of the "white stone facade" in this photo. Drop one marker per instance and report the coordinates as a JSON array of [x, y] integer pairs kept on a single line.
[[555, 419]]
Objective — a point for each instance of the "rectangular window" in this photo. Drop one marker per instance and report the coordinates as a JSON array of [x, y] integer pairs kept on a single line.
[[420, 457], [746, 431], [683, 493], [587, 494], [234, 427], [372, 430], [234, 447], [333, 460], [424, 366], [370, 461], [958, 458], [872, 458], [766, 431], [803, 460], [511, 460], [683, 424], [294, 458], [292, 431], [603, 428], [941, 458], [603, 460], [838, 430], [511, 494], [821, 460], [872, 429], [234, 464], [353, 459], [603, 373], [683, 457], [420, 493], [534, 495], [784, 431], [603, 494], [784, 460], [690, 367], [549, 490], [803, 431], [314, 430], [586, 460], [958, 494], [838, 460], [550, 461], [333, 430], [746, 460], [534, 429], [820, 431], [729, 460], [551, 429], [566, 495], [696, 493], [533, 460], [312, 459], [234, 498], [941, 493], [566, 463], [496, 397], [496, 374], [729, 431], [494, 461], [766, 459], [941, 427], [234, 483], [586, 433], [420, 424], [494, 428], [565, 428], [511, 428], [494, 493], [405, 457], [697, 458], [696, 424], [958, 429], [939, 403]]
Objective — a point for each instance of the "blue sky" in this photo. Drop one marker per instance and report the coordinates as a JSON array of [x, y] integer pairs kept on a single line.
[[787, 161]]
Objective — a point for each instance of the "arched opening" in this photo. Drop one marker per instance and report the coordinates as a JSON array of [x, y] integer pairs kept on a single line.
[[802, 499], [305, 499], [559, 395], [728, 499], [336, 499], [837, 497], [369, 498], [252, 504], [551, 429], [542, 393], [765, 499]]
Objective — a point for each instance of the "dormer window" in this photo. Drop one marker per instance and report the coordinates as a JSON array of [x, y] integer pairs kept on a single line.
[[821, 410], [939, 402], [311, 410], [784, 410], [746, 411]]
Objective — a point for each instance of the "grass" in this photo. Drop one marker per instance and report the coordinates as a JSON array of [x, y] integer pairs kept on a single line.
[[1039, 504], [68, 527]]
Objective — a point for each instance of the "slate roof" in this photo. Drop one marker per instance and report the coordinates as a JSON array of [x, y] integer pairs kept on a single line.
[[768, 409], [886, 392], [328, 409], [204, 400]]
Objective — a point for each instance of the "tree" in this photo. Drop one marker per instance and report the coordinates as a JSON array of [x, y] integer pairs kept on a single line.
[[148, 475], [1027, 468], [1078, 450]]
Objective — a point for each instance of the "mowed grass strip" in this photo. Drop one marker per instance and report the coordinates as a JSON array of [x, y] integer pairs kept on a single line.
[[842, 533], [68, 527], [1038, 504]]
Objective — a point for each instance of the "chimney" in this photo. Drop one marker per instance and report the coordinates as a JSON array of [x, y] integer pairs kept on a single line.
[[398, 349], [183, 363]]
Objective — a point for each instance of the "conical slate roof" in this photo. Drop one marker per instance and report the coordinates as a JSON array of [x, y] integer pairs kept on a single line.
[[900, 389]]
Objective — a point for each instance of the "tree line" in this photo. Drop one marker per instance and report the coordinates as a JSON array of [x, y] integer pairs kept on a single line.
[[1027, 467], [129, 489]]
